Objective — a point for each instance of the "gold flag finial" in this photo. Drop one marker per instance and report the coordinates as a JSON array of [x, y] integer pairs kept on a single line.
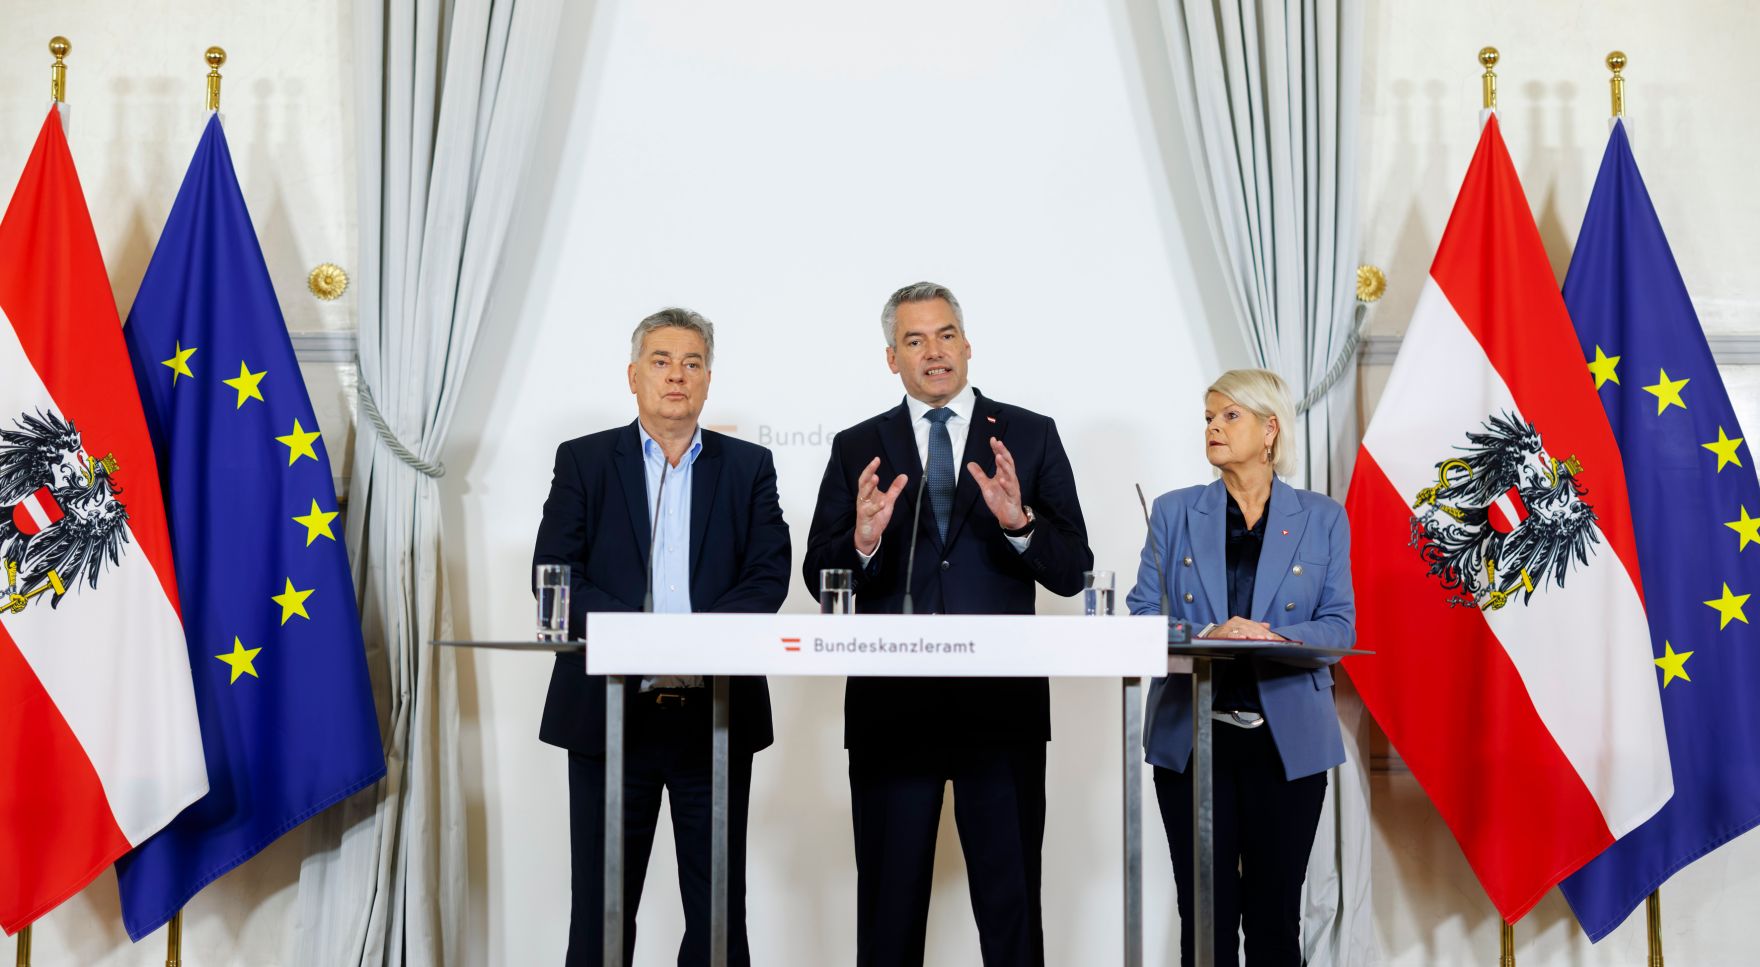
[[216, 59], [1488, 84], [58, 47], [1616, 62]]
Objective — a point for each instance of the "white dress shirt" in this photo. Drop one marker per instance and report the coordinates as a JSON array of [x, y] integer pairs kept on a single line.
[[959, 427]]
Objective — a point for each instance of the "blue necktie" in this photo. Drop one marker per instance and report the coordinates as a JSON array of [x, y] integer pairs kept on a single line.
[[940, 470]]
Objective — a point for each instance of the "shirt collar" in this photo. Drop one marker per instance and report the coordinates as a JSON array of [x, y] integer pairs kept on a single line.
[[652, 451], [961, 405]]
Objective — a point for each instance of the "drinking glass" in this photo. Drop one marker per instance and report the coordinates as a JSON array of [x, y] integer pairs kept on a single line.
[[552, 584], [836, 591]]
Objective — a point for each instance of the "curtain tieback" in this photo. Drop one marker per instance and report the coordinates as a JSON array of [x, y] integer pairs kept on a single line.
[[431, 468]]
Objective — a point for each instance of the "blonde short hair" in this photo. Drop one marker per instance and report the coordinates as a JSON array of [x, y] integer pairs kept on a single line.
[[1264, 394]]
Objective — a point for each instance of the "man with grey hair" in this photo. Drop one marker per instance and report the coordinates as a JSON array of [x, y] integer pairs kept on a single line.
[[661, 514], [998, 523]]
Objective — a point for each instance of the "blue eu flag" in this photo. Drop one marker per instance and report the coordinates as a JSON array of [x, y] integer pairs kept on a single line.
[[1694, 496], [287, 717]]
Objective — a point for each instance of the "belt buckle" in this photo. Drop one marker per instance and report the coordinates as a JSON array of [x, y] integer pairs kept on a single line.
[[669, 700], [1243, 720]]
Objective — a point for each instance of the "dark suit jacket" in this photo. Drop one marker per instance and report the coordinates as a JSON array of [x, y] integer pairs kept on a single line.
[[976, 571], [597, 520]]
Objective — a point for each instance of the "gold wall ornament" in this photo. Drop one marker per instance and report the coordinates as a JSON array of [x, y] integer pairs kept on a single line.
[[1488, 84], [216, 59], [328, 281], [1616, 62], [1371, 283], [59, 47]]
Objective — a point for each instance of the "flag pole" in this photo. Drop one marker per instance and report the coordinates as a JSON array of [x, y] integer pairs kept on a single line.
[[59, 47], [174, 941], [1653, 909], [216, 59], [1488, 83], [24, 946], [1508, 956], [1616, 62]]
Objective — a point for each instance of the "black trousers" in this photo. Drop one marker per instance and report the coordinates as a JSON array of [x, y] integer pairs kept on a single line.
[[1264, 827], [999, 807], [665, 749]]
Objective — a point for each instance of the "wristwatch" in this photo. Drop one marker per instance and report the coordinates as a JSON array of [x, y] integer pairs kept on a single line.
[[1024, 529]]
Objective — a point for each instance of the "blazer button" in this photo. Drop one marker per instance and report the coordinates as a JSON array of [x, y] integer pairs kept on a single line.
[[945, 565], [1188, 597], [1188, 562], [1296, 570], [1290, 606]]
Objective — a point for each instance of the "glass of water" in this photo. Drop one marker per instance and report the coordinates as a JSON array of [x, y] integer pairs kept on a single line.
[[836, 591], [552, 584], [1097, 592]]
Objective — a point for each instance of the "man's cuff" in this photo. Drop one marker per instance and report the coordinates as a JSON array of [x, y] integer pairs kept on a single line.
[[866, 559], [1020, 543]]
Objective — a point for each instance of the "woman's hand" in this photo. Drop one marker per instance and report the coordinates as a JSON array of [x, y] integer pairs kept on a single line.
[[1238, 627]]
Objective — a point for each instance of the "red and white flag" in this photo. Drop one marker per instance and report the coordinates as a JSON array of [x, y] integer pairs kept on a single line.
[[1497, 574], [99, 745]]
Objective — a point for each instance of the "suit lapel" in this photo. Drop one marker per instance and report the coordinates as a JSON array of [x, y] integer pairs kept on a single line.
[[1284, 520], [1207, 522], [634, 477], [705, 473], [983, 424]]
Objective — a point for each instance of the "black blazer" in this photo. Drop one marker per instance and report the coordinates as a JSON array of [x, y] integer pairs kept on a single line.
[[977, 571], [597, 520]]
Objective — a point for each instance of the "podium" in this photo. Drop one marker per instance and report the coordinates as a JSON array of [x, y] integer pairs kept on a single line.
[[1129, 648], [1196, 657]]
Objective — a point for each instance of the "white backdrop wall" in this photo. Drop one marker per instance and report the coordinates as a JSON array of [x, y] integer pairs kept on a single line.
[[781, 166]]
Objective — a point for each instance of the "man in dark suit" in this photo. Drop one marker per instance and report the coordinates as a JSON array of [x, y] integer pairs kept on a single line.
[[702, 507], [1001, 520]]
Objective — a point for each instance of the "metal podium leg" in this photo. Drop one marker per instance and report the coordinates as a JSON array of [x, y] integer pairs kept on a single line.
[[718, 828], [613, 923], [1133, 822], [1203, 820]]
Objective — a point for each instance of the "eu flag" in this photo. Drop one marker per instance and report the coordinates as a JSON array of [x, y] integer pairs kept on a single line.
[[282, 691], [1694, 496]]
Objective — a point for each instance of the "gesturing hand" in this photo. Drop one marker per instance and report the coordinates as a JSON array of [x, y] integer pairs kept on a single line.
[[1002, 492], [874, 506]]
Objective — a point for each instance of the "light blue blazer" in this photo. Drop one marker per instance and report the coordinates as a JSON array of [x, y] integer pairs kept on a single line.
[[1302, 589]]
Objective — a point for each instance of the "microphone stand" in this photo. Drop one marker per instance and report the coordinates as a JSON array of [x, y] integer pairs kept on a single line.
[[910, 565]]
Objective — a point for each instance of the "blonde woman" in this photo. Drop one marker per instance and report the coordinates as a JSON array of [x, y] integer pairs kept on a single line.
[[1261, 560]]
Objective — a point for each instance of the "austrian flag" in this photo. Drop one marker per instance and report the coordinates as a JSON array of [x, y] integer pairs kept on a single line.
[[1497, 567], [99, 744]]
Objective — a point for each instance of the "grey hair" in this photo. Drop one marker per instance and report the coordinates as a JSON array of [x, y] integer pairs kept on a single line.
[[1264, 394], [675, 318], [917, 292]]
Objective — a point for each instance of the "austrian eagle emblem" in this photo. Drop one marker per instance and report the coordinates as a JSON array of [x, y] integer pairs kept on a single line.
[[63, 522], [1503, 518]]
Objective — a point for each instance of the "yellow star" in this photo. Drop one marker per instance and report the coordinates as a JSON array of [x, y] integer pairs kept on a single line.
[[1673, 664], [1729, 608], [293, 601], [318, 522], [1604, 367], [299, 443], [240, 660], [179, 363], [1725, 448], [246, 384], [1667, 392], [1748, 527]]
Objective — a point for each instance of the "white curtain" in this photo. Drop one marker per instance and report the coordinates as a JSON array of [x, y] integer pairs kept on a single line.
[[450, 94], [1271, 107]]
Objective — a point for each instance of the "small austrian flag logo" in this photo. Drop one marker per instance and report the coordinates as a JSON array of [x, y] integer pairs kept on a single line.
[[791, 644]]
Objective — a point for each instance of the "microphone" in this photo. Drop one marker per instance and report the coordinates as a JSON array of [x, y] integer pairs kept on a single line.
[[1160, 577], [910, 566], [654, 540]]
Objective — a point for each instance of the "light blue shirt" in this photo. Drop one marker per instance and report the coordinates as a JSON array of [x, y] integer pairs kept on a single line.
[[672, 537]]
